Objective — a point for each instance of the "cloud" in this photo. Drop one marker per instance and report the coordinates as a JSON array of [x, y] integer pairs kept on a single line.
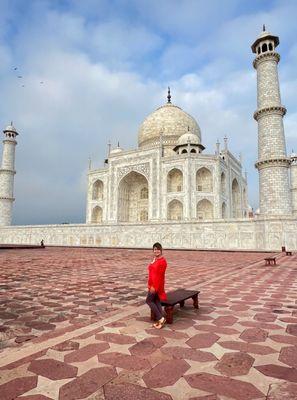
[[117, 43], [106, 65], [185, 20]]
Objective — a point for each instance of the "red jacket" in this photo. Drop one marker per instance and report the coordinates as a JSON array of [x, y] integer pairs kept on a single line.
[[157, 276]]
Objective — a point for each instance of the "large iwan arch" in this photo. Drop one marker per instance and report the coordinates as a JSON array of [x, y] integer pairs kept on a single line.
[[133, 198]]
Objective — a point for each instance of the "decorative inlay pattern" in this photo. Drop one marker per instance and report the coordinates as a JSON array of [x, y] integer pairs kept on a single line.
[[143, 169]]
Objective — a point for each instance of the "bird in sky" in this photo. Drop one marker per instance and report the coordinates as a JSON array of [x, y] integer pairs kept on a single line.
[[15, 68], [19, 76]]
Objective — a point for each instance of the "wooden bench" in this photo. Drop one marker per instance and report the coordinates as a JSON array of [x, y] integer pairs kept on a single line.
[[270, 260], [288, 253], [178, 296]]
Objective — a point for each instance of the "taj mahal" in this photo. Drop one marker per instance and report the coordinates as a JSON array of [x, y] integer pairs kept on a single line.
[[168, 178], [169, 189]]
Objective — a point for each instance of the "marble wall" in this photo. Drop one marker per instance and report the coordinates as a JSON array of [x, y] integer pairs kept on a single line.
[[270, 234]]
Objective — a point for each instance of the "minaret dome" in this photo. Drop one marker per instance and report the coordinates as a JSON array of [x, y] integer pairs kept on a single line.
[[265, 42]]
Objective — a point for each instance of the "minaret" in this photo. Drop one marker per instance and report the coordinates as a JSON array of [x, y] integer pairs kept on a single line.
[[273, 163], [7, 173], [293, 177]]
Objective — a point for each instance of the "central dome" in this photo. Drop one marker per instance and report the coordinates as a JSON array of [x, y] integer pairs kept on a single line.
[[171, 122]]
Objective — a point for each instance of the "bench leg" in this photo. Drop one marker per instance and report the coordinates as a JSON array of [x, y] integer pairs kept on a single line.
[[182, 303], [169, 314], [195, 301]]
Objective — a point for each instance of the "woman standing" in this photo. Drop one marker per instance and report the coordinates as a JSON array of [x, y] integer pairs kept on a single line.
[[156, 283]]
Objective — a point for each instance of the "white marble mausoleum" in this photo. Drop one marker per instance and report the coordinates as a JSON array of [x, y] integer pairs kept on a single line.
[[168, 177]]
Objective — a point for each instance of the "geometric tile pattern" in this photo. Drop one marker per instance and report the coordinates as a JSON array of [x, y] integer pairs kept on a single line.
[[282, 390], [79, 328], [232, 364]]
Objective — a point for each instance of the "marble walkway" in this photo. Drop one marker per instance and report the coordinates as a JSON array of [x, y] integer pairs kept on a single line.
[[73, 325]]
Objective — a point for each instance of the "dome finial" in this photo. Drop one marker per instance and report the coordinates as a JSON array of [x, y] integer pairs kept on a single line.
[[264, 28], [168, 96]]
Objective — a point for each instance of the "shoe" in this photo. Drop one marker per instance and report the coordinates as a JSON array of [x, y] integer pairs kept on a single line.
[[160, 324]]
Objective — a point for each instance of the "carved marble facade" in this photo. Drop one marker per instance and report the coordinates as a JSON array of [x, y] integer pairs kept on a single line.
[[167, 180]]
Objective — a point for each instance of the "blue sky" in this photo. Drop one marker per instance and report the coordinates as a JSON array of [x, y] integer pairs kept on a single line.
[[105, 65]]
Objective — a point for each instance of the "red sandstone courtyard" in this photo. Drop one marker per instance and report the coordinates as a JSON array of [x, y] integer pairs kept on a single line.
[[73, 325]]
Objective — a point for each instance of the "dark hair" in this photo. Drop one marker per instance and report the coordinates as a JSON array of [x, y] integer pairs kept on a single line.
[[158, 246]]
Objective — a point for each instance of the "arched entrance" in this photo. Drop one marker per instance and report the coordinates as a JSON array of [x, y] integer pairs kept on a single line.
[[175, 181], [204, 209], [223, 183], [224, 210], [236, 212], [96, 215], [204, 180], [133, 198], [175, 211], [97, 192]]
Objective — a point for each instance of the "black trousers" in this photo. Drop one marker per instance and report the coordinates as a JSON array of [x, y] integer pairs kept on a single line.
[[154, 303]]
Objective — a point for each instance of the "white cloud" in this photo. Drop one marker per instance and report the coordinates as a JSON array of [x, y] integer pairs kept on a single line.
[[116, 42]]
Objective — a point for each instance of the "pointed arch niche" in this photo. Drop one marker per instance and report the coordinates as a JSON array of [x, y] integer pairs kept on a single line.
[[175, 211], [133, 198], [96, 215], [175, 180], [236, 212], [204, 209], [224, 210], [97, 190], [204, 180], [223, 183]]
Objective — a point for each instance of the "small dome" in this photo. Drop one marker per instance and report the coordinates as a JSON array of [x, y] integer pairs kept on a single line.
[[10, 128], [171, 122], [188, 138], [116, 150], [264, 35]]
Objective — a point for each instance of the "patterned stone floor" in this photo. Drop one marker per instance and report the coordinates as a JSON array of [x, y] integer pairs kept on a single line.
[[73, 325]]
